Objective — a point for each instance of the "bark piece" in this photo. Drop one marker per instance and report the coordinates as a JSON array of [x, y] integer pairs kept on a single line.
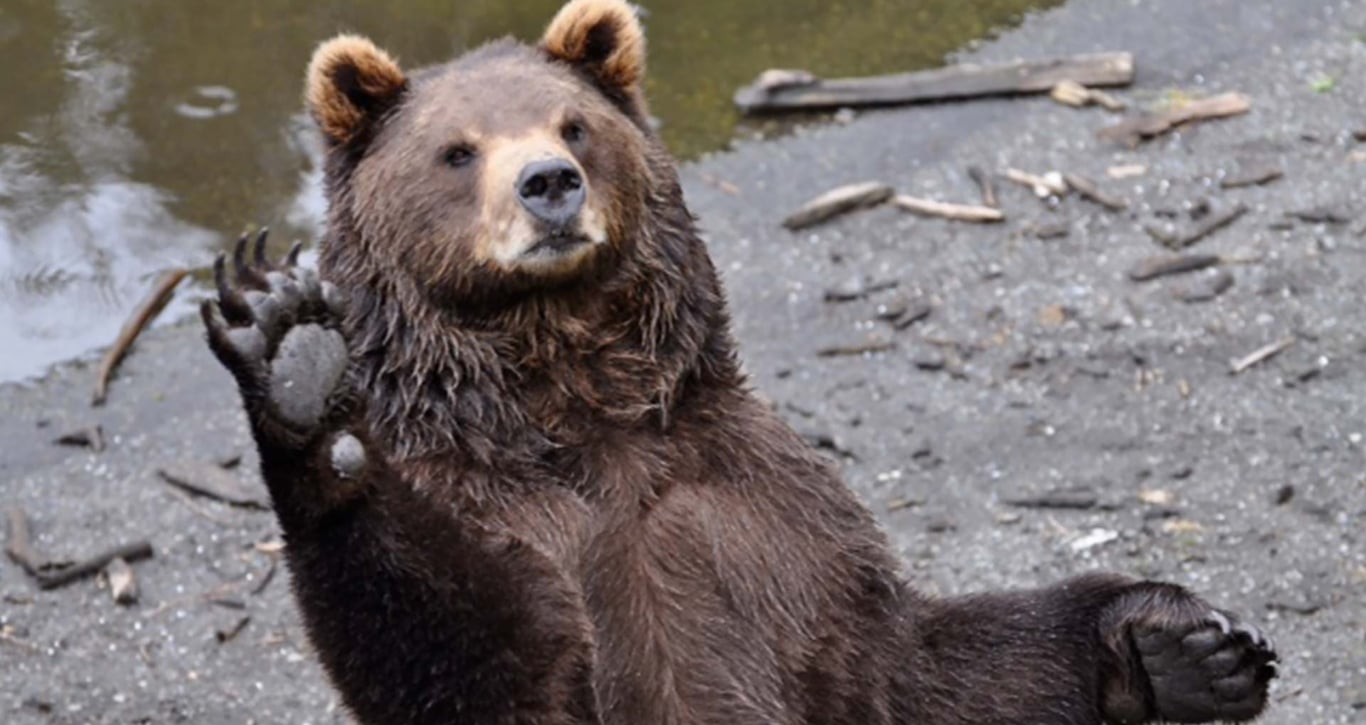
[[838, 201], [793, 90]]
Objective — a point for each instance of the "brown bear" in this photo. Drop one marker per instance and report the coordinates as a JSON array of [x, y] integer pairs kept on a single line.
[[521, 475]]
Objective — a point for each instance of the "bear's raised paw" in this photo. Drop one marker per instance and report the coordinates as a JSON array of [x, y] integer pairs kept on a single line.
[[276, 328]]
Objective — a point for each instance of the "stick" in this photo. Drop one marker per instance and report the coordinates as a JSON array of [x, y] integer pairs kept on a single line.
[[859, 349], [1165, 266], [1261, 355], [135, 551], [1044, 186], [1133, 131], [142, 316], [211, 482], [1089, 190], [1252, 176], [959, 212], [803, 91], [838, 201], [987, 186]]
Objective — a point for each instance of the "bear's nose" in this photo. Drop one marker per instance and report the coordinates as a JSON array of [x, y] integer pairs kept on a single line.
[[552, 190]]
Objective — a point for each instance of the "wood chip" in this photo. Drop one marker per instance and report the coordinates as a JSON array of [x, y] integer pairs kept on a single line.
[[901, 504], [789, 90], [91, 437], [211, 481], [1251, 175], [985, 185], [1167, 265], [1071, 93], [1049, 184], [838, 201], [957, 212], [1156, 496], [1260, 355], [1126, 171], [1133, 131], [123, 583], [1088, 190], [146, 311]]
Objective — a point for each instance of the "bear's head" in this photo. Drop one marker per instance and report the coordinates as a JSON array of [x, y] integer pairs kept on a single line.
[[509, 170]]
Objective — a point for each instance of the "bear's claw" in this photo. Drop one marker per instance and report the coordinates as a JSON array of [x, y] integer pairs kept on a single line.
[[276, 328], [1217, 669]]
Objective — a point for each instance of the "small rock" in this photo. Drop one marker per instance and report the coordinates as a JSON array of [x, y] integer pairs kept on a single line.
[[1052, 229], [1206, 287], [123, 584], [929, 360], [939, 526], [1284, 494], [1053, 316]]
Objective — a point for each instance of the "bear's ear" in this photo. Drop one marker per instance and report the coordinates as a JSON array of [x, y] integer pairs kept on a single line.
[[351, 84], [603, 39]]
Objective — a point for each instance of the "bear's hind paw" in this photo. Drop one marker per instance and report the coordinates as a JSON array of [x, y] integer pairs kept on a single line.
[[1215, 669]]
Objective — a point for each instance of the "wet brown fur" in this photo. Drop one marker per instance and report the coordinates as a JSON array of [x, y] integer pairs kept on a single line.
[[576, 510]]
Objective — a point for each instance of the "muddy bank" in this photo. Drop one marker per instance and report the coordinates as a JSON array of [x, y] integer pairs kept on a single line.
[[1041, 370]]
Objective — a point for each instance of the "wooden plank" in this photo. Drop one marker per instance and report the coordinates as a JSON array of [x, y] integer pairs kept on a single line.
[[800, 90]]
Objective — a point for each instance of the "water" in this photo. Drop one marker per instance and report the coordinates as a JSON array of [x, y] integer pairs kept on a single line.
[[141, 135]]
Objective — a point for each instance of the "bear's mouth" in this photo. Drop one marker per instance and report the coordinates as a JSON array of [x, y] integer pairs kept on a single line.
[[557, 243]]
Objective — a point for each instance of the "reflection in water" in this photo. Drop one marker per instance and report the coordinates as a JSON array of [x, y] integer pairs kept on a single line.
[[140, 136]]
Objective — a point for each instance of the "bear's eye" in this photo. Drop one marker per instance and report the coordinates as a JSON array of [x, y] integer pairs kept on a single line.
[[457, 156], [573, 132]]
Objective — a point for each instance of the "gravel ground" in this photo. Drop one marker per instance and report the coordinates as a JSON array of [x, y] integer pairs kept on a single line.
[[1041, 368]]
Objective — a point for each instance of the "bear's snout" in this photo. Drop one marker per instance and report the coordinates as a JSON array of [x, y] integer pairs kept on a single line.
[[552, 190]]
